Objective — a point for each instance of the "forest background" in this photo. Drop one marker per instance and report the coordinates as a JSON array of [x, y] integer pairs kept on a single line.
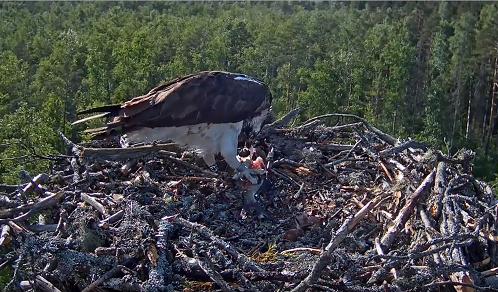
[[420, 70]]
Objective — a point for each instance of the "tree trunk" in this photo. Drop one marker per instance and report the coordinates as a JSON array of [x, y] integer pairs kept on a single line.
[[469, 113], [492, 113], [479, 100], [457, 105]]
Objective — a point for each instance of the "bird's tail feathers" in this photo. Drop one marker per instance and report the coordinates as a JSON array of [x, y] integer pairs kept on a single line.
[[104, 111], [90, 118], [112, 110], [104, 132]]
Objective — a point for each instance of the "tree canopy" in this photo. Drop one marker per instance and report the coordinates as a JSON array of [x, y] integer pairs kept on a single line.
[[426, 70]]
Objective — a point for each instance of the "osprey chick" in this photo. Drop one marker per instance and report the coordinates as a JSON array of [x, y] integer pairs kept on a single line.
[[206, 110]]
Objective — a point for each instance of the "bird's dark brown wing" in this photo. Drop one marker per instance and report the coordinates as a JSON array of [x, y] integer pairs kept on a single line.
[[205, 97]]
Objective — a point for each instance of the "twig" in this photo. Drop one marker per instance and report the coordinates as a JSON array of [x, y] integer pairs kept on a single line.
[[45, 284], [312, 250], [385, 137], [271, 128], [189, 178], [204, 231], [111, 273], [75, 149], [325, 257], [120, 154], [94, 203], [453, 283], [345, 157], [5, 236], [490, 272], [386, 171], [10, 188], [42, 204], [210, 270], [113, 218], [402, 147], [42, 227], [186, 164]]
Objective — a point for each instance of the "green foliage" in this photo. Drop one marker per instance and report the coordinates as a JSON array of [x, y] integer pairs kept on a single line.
[[24, 132], [419, 69], [5, 276]]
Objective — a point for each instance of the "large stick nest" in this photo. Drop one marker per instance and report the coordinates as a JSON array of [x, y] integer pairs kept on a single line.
[[351, 209]]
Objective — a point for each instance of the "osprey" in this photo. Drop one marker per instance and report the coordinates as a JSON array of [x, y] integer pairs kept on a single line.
[[206, 111]]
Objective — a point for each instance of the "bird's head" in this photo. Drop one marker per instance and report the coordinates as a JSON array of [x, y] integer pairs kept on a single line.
[[252, 127]]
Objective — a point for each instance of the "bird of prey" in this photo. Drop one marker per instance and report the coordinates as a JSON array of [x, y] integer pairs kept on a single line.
[[207, 111]]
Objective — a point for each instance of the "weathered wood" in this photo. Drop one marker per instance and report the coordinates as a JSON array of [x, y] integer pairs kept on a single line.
[[94, 203], [338, 237], [40, 205], [5, 236], [271, 128], [406, 211], [122, 154]]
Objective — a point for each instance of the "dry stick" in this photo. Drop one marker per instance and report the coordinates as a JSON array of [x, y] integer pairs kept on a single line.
[[300, 128], [42, 204], [45, 284], [272, 128], [10, 188], [127, 153], [284, 176], [113, 218], [402, 147], [42, 227], [490, 272], [94, 203], [384, 168], [309, 249], [210, 269], [5, 236], [380, 252], [406, 211], [385, 137], [186, 164], [345, 157], [41, 282], [331, 129], [439, 189], [189, 178], [204, 231], [330, 146], [239, 276], [13, 211], [429, 231], [118, 153], [35, 182], [340, 235], [452, 283], [102, 279]]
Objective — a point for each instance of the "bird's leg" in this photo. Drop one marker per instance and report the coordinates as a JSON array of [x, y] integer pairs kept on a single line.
[[214, 168], [230, 155], [210, 161]]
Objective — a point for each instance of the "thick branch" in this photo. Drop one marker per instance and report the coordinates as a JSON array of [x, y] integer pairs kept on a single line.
[[271, 128], [405, 213]]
